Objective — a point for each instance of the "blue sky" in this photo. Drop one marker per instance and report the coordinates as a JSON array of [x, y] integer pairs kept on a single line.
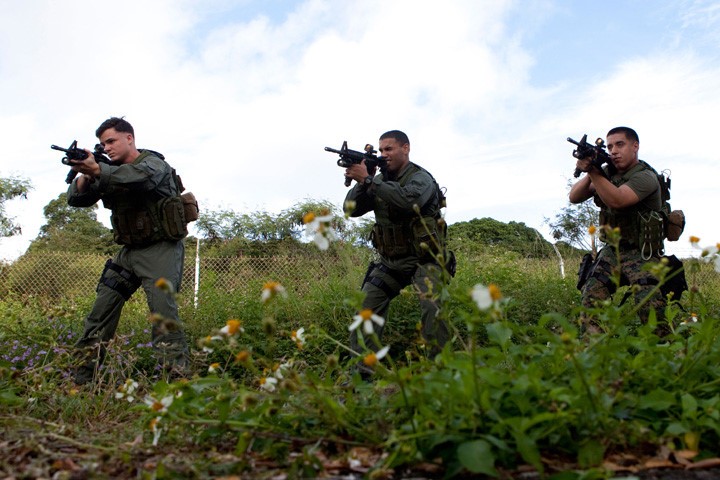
[[242, 96]]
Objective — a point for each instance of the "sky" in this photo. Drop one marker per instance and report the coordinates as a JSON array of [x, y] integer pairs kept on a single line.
[[242, 96]]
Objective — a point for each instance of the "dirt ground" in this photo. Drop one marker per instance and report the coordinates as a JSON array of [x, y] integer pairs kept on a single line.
[[27, 450]]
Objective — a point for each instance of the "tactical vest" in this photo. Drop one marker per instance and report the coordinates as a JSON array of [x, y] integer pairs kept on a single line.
[[640, 227], [411, 233], [141, 218]]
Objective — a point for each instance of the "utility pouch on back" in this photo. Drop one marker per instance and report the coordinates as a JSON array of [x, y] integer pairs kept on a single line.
[[675, 225], [190, 207]]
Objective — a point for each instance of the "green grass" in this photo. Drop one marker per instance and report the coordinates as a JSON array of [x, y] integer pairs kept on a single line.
[[518, 386]]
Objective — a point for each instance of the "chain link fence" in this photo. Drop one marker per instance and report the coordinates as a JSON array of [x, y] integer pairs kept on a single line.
[[58, 275]]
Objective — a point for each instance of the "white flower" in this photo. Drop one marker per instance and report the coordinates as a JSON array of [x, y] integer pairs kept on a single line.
[[159, 406], [485, 297], [280, 370], [232, 327], [272, 289], [318, 227], [372, 358], [127, 390], [268, 383], [298, 336], [214, 367], [366, 317]]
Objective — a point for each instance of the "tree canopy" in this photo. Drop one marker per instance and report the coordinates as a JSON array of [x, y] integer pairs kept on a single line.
[[10, 188], [514, 236], [71, 229]]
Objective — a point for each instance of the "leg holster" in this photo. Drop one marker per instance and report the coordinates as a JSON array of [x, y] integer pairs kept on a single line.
[[399, 277], [125, 288]]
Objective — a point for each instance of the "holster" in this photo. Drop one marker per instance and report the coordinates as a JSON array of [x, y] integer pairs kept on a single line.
[[585, 268]]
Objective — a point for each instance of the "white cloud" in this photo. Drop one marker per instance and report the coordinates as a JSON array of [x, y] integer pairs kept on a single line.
[[242, 108]]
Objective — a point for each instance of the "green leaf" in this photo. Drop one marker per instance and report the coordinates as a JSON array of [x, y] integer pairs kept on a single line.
[[499, 334], [477, 457], [591, 453], [689, 406], [659, 400], [529, 451]]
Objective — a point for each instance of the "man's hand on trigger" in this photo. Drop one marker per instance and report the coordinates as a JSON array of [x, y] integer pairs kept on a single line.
[[87, 166], [357, 172], [584, 164]]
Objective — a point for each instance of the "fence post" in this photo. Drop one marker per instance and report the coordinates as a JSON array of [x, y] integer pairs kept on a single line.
[[197, 272], [562, 262]]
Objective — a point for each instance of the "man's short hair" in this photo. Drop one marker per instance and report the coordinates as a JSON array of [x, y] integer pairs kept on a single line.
[[630, 134], [119, 124], [401, 138]]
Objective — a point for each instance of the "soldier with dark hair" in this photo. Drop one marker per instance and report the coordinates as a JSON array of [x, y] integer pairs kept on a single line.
[[135, 187], [631, 200], [409, 236]]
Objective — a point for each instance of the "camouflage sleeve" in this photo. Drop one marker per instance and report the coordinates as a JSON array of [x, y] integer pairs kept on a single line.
[[419, 190], [358, 201], [85, 199], [150, 173]]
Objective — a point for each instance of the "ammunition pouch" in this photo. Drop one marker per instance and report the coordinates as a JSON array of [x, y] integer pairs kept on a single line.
[[652, 233], [674, 225], [159, 221], [428, 237], [391, 241], [424, 237], [642, 230], [172, 218]]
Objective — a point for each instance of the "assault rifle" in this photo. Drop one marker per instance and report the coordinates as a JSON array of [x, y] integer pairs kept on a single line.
[[74, 153], [349, 157], [597, 152]]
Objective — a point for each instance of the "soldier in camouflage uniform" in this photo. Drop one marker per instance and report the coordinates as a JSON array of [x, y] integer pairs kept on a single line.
[[406, 240], [135, 187], [631, 201]]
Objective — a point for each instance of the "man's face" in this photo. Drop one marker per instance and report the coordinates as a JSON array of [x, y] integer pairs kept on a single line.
[[624, 152], [118, 145], [397, 155]]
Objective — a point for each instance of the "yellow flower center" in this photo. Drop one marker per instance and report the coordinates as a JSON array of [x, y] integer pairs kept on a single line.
[[694, 239], [272, 286], [157, 406], [592, 230], [308, 217], [214, 365], [366, 314], [370, 359], [242, 356], [233, 326], [494, 292], [153, 424]]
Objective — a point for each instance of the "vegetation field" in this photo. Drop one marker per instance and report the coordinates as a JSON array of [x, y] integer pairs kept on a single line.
[[272, 391]]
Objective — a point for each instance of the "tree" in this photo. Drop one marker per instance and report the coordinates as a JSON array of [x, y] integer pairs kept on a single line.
[[262, 233], [71, 229], [571, 225], [11, 188], [514, 236]]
